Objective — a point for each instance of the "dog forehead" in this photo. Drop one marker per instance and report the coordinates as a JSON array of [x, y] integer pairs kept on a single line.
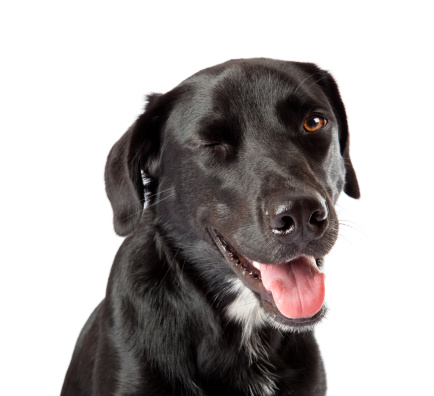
[[246, 82], [257, 85], [246, 90]]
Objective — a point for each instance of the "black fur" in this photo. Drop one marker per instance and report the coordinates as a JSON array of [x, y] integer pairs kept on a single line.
[[218, 152]]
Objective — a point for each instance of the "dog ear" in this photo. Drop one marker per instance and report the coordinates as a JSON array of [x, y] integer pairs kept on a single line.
[[327, 82], [133, 158]]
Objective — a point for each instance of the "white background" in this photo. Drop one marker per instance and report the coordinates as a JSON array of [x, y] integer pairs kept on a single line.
[[73, 78]]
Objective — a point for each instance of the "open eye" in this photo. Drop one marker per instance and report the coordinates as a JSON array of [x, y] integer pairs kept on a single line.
[[314, 123]]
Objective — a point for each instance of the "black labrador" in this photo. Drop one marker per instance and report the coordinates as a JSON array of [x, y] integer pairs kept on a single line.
[[218, 286]]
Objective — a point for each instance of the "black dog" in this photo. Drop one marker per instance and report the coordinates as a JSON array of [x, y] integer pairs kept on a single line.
[[218, 286]]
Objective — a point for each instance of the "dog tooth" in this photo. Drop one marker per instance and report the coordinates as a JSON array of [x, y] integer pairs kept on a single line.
[[256, 265]]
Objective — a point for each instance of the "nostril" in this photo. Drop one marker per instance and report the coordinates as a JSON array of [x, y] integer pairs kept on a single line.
[[283, 224], [318, 217], [318, 223]]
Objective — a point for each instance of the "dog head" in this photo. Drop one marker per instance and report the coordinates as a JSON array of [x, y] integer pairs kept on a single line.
[[243, 164]]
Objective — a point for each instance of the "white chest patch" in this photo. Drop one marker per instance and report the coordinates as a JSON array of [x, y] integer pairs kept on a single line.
[[246, 311]]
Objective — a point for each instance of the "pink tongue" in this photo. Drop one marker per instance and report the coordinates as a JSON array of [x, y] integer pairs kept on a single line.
[[297, 287]]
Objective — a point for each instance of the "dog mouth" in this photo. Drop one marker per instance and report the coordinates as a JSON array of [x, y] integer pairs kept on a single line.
[[292, 292]]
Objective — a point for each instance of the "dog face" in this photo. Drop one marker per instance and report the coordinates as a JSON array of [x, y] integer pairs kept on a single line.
[[244, 163]]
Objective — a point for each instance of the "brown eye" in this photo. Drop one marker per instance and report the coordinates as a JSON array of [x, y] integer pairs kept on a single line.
[[314, 123]]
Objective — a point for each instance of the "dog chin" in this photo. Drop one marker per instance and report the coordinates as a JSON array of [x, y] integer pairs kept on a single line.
[[296, 325]]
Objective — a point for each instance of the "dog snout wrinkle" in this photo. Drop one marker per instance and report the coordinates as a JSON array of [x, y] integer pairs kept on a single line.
[[298, 219]]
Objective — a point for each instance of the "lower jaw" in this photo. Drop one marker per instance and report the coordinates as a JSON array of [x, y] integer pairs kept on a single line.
[[300, 324], [251, 278]]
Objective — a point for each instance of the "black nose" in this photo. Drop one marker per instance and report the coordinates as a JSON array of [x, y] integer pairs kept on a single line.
[[299, 219]]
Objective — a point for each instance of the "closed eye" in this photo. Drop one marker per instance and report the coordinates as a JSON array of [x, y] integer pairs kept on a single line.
[[210, 144]]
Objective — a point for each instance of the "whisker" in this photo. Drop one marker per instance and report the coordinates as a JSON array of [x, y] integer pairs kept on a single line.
[[347, 225], [342, 209], [353, 226], [346, 221], [141, 210], [319, 79], [347, 240], [309, 76], [149, 196], [162, 199], [169, 267], [159, 192], [182, 267]]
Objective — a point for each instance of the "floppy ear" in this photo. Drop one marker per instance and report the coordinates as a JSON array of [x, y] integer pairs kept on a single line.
[[135, 152], [326, 81]]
